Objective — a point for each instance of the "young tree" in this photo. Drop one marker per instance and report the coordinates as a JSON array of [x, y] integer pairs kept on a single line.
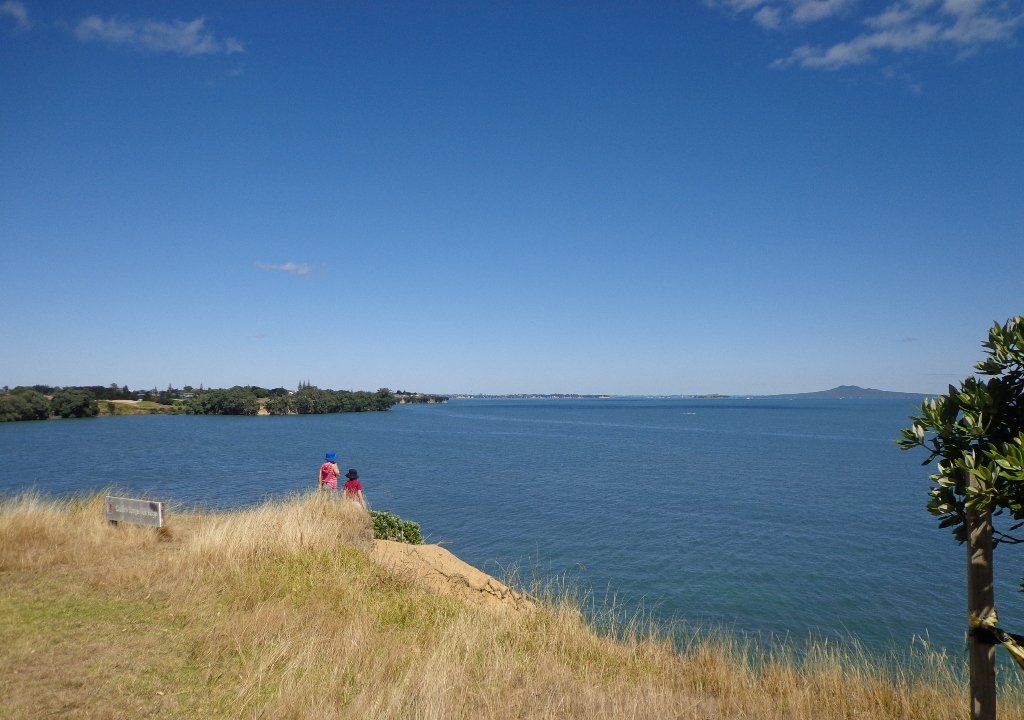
[[976, 432]]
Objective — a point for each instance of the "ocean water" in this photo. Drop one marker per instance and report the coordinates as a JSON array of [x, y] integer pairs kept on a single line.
[[770, 518]]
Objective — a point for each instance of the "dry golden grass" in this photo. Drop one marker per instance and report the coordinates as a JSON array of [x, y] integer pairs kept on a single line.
[[278, 612]]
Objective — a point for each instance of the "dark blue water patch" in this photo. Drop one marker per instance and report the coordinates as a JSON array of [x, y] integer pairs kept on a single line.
[[778, 518]]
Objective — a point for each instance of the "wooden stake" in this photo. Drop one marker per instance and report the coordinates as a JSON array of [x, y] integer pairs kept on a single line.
[[981, 604]]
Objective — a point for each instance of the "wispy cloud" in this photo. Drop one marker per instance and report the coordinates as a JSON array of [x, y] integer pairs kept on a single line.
[[774, 13], [903, 27], [769, 18], [17, 12], [288, 267], [157, 36], [863, 48], [809, 11]]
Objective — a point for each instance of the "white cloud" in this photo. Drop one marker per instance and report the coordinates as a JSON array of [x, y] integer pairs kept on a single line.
[[893, 16], [862, 48], [157, 36], [903, 27], [16, 11], [288, 267], [973, 29], [808, 11], [773, 13], [768, 17], [962, 7], [738, 5]]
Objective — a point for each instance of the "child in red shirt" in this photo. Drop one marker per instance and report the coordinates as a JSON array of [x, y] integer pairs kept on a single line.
[[354, 488]]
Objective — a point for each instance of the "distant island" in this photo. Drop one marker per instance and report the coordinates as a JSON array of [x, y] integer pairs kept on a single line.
[[840, 392], [851, 392]]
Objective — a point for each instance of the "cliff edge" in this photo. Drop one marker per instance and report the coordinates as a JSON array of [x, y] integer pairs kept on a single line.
[[436, 569]]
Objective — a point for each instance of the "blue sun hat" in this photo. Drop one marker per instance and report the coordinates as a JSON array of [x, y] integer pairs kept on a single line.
[[331, 456]]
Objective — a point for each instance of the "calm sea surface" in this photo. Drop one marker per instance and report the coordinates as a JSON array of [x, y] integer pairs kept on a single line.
[[779, 518]]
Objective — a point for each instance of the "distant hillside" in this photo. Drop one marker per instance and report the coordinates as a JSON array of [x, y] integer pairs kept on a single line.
[[852, 391]]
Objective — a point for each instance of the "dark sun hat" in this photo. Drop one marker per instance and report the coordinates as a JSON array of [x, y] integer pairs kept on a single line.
[[352, 474]]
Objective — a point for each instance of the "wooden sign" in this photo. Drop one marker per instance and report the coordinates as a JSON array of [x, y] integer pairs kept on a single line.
[[138, 512]]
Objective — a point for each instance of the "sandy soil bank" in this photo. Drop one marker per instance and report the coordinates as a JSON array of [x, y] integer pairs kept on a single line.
[[438, 570]]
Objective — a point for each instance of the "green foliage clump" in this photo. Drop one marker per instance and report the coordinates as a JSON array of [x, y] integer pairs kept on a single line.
[[978, 429], [32, 403], [311, 400], [279, 405], [307, 400], [24, 404], [388, 526], [74, 403], [236, 401]]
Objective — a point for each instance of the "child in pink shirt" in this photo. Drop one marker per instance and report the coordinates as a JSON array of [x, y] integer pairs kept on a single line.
[[329, 472]]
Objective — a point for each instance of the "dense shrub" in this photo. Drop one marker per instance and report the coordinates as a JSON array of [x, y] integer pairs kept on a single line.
[[236, 401], [309, 400], [31, 403], [24, 404], [74, 403], [279, 405], [388, 526]]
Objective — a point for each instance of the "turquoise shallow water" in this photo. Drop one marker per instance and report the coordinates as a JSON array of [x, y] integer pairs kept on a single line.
[[779, 518]]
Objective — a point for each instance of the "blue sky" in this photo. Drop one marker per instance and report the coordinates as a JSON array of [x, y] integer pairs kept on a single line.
[[735, 196]]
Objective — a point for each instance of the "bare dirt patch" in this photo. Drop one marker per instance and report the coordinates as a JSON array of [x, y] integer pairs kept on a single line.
[[438, 570]]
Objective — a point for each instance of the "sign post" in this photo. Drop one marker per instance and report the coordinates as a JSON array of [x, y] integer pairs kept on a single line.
[[131, 510]]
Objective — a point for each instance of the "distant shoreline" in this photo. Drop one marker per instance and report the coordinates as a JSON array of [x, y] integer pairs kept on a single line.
[[842, 392]]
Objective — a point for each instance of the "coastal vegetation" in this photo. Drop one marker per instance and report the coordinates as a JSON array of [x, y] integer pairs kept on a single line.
[[976, 432], [139, 407], [24, 404], [978, 429], [405, 397], [309, 399], [281, 611], [40, 402], [388, 526]]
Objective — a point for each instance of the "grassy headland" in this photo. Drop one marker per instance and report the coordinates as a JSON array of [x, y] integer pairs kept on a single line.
[[280, 611], [137, 407]]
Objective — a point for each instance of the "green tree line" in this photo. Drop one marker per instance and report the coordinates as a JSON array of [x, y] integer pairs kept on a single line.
[[39, 402], [25, 403], [307, 400], [311, 400]]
